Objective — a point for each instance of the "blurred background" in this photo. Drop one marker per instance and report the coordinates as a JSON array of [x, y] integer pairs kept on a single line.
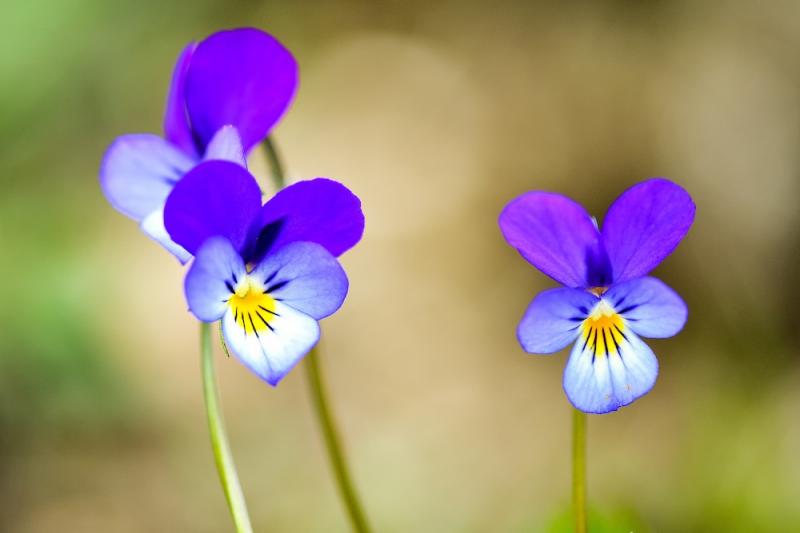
[[436, 114]]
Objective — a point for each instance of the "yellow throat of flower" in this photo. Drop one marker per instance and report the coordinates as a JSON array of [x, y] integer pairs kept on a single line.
[[603, 330], [252, 307]]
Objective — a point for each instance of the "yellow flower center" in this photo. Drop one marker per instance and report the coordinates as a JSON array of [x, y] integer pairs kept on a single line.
[[252, 307], [603, 330]]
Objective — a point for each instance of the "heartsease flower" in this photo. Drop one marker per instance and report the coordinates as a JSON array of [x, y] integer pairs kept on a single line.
[[227, 93], [608, 302], [269, 272]]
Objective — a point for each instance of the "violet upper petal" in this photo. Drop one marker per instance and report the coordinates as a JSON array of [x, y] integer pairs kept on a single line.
[[644, 225], [557, 236], [177, 129], [242, 77], [553, 319], [319, 210], [138, 171], [215, 198], [649, 307]]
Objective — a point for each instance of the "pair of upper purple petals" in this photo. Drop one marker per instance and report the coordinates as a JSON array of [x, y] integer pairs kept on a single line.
[[226, 94], [641, 228]]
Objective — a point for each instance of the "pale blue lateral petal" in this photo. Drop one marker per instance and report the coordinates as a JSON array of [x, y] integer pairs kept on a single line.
[[216, 269], [553, 319], [601, 383], [138, 172], [649, 307], [272, 353], [153, 226], [226, 145], [305, 276]]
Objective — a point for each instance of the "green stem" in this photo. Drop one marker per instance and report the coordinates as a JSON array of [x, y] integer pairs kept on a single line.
[[275, 166], [579, 470], [219, 440], [324, 416], [355, 511]]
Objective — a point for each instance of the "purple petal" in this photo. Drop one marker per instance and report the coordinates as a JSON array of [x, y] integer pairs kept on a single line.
[[216, 268], [305, 276], [226, 145], [650, 308], [601, 382], [153, 226], [242, 77], [177, 129], [138, 172], [557, 236], [274, 352], [216, 198], [319, 210], [553, 319], [644, 225]]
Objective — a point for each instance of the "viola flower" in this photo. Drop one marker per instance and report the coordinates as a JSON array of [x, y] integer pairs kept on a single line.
[[226, 94], [608, 302], [269, 272]]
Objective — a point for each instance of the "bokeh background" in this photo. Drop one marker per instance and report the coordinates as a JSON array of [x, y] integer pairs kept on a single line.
[[436, 114]]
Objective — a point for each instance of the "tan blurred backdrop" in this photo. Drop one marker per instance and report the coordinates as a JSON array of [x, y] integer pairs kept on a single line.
[[435, 114]]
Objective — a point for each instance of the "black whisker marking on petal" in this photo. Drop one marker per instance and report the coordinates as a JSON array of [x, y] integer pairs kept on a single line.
[[264, 320], [235, 314], [613, 339], [586, 340], [621, 333], [270, 278], [583, 310], [235, 279], [252, 324], [230, 287], [627, 309], [576, 319], [270, 311], [277, 286], [620, 301]]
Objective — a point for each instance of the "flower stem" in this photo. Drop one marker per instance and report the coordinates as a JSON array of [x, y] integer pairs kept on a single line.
[[356, 512], [318, 394], [579, 470], [219, 440]]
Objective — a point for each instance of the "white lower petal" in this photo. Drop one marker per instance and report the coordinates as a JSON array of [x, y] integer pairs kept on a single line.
[[272, 350], [600, 381]]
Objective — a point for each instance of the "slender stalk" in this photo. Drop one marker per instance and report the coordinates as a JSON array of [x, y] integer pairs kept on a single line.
[[275, 166], [579, 470], [219, 440], [319, 396]]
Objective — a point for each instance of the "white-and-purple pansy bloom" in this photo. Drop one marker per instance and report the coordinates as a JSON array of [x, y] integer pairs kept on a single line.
[[608, 302], [270, 272], [227, 93]]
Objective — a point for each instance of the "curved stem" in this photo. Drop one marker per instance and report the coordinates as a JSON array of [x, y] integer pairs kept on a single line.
[[318, 394], [219, 440], [579, 470]]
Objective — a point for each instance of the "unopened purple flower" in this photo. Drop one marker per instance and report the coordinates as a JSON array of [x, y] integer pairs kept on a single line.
[[227, 93], [608, 302], [268, 272]]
